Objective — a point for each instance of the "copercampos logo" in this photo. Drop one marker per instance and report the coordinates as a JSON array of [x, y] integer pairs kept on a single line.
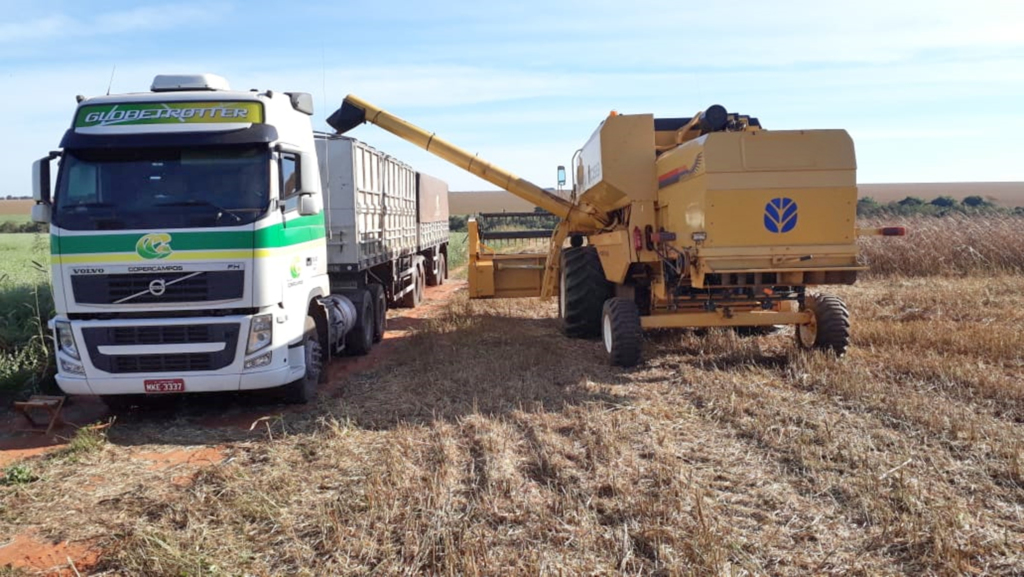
[[296, 269], [155, 245]]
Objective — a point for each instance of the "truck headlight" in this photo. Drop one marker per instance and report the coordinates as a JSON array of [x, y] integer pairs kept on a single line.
[[71, 368], [66, 339], [261, 332]]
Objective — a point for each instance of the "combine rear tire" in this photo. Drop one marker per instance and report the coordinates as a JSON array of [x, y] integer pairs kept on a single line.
[[582, 292], [830, 329], [304, 390], [623, 336]]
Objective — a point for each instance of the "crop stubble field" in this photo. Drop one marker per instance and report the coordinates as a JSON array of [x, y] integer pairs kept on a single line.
[[488, 443]]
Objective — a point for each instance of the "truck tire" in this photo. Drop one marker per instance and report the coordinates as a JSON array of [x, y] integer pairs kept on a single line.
[[303, 390], [437, 278], [380, 311], [830, 329], [582, 292], [413, 298], [621, 331], [359, 340]]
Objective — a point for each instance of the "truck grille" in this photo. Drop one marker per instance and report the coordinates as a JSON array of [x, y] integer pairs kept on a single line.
[[96, 337], [164, 363], [178, 287]]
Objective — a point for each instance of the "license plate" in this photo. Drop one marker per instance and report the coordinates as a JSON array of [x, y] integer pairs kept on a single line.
[[165, 385]]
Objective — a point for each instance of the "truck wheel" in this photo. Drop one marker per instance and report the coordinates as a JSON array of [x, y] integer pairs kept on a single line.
[[582, 292], [623, 336], [380, 312], [411, 299], [359, 340], [303, 390], [437, 279], [829, 329]]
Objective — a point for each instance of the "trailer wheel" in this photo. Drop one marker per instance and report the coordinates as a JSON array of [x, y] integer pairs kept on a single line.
[[582, 292], [437, 278], [359, 340], [829, 329], [623, 336], [303, 390], [412, 298], [380, 312]]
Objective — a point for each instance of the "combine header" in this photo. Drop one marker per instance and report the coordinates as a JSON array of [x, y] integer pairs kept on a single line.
[[709, 221]]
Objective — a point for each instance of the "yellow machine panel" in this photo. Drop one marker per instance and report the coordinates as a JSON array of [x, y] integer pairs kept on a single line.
[[615, 164]]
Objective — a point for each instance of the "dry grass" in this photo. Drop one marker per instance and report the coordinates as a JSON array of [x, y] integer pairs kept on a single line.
[[16, 207], [955, 245], [487, 443], [495, 445]]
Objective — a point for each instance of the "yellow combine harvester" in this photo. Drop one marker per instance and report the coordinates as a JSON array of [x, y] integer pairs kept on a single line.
[[709, 221]]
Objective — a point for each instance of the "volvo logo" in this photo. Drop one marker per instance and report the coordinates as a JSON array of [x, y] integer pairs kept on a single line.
[[158, 287], [780, 215]]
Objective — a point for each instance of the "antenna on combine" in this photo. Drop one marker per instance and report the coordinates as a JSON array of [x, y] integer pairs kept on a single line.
[[111, 83]]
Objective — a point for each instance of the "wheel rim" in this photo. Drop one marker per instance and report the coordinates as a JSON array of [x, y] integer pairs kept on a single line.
[[606, 332], [807, 334]]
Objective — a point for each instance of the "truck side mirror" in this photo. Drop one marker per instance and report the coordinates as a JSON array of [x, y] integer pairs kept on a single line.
[[561, 176], [41, 180], [308, 204], [41, 213]]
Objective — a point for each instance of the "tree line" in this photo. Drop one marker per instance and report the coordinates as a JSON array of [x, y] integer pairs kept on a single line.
[[941, 206]]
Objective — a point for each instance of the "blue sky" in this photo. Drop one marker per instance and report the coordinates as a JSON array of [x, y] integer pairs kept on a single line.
[[931, 91]]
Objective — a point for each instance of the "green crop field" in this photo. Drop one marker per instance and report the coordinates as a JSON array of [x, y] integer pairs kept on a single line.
[[25, 305]]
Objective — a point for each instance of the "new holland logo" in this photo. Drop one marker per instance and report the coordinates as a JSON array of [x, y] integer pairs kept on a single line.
[[155, 245], [780, 215]]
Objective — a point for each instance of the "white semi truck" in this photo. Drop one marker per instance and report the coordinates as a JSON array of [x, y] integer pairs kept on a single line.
[[204, 239]]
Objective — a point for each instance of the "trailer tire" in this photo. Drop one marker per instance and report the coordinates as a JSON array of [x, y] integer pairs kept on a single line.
[[830, 328], [582, 292], [411, 299], [359, 340], [437, 278], [621, 331], [380, 311], [303, 390]]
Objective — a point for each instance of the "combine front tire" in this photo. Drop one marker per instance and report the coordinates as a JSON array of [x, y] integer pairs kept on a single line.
[[623, 336], [582, 292], [830, 328]]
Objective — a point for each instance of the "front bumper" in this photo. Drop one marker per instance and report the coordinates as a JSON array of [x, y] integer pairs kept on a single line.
[[119, 356]]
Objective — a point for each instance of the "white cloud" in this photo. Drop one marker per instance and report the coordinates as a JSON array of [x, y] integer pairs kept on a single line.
[[145, 18]]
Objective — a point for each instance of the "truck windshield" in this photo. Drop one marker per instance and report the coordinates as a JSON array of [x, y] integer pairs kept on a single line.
[[162, 188]]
